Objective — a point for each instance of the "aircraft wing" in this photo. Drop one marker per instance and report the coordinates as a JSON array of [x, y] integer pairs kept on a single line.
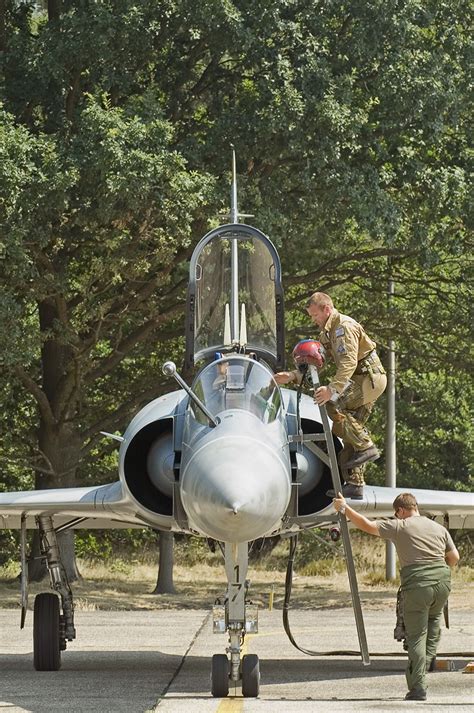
[[103, 506], [452, 509]]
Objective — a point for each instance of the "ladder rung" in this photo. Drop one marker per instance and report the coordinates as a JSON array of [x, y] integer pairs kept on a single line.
[[307, 437]]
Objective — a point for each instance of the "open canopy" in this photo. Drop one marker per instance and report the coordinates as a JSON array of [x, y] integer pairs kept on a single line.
[[235, 297]]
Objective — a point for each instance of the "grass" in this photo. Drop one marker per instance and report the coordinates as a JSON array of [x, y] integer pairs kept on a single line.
[[320, 579]]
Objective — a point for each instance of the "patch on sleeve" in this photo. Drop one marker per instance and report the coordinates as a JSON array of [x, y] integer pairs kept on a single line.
[[339, 332], [341, 349]]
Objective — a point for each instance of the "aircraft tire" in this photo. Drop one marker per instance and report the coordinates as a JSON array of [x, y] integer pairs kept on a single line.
[[46, 644], [250, 676], [220, 676]]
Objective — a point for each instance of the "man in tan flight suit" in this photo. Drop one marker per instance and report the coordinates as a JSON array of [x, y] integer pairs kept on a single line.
[[350, 396], [426, 552]]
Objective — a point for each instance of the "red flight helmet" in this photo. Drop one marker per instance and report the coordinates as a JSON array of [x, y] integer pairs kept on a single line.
[[309, 351]]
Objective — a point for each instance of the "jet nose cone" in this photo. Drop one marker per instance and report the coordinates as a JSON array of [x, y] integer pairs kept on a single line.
[[235, 490]]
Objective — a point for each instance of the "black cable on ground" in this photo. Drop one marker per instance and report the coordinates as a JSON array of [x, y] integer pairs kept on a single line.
[[286, 622]]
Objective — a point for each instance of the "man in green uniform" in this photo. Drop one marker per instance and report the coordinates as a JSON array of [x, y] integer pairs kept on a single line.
[[425, 549], [350, 396]]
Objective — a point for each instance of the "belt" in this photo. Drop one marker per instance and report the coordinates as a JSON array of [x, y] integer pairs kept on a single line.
[[370, 364]]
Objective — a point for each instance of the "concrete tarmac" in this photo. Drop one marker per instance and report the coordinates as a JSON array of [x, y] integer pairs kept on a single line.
[[131, 662]]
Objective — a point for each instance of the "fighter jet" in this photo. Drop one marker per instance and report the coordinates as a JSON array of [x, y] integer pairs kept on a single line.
[[232, 456]]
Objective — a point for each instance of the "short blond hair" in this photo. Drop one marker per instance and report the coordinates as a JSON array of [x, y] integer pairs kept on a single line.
[[319, 299], [407, 501]]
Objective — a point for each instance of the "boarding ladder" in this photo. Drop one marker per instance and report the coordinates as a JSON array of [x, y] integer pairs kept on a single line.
[[330, 459]]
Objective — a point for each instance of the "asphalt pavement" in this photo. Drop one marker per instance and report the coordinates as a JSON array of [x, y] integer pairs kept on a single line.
[[137, 661]]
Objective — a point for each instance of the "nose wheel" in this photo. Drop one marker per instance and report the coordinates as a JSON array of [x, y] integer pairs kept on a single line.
[[220, 676], [250, 676]]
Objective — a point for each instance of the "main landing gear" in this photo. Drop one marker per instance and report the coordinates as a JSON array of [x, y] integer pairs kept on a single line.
[[226, 671], [51, 628]]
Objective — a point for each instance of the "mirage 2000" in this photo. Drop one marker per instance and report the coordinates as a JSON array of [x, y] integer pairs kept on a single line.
[[233, 457]]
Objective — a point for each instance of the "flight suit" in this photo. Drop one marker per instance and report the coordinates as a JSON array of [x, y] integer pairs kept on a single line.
[[359, 380]]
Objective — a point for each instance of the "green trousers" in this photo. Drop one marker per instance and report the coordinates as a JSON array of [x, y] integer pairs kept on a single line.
[[422, 609]]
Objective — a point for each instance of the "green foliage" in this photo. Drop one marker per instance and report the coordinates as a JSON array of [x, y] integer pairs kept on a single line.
[[191, 551], [350, 123], [9, 547], [112, 544], [89, 545], [317, 555]]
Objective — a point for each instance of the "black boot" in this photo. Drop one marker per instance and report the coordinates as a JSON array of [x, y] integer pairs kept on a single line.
[[349, 491], [361, 457], [416, 694]]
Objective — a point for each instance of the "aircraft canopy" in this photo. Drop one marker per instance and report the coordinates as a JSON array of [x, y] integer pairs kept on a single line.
[[235, 297]]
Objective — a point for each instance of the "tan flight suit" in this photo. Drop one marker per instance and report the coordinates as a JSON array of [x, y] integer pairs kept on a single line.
[[360, 378]]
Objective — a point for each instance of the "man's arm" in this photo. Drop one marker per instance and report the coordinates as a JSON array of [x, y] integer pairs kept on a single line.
[[288, 377], [361, 522], [345, 348], [452, 557]]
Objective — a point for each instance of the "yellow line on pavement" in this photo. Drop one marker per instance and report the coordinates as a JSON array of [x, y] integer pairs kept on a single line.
[[231, 705]]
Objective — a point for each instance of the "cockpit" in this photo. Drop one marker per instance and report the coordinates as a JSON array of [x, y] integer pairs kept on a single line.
[[236, 382]]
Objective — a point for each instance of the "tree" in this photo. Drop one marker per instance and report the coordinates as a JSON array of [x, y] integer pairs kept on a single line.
[[164, 582]]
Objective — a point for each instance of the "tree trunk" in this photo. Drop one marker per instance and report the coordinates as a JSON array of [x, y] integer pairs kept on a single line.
[[3, 26], [54, 10], [164, 583], [59, 438], [37, 569]]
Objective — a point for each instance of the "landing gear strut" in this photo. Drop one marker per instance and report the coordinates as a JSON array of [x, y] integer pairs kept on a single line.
[[226, 671], [51, 629]]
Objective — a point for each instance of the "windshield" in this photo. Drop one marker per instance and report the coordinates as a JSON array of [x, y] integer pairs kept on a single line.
[[235, 298], [255, 291], [237, 383]]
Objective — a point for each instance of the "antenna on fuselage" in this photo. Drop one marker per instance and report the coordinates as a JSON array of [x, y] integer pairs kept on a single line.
[[234, 212], [238, 337], [234, 297]]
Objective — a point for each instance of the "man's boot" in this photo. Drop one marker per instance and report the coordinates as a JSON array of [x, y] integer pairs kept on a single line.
[[361, 457], [349, 491]]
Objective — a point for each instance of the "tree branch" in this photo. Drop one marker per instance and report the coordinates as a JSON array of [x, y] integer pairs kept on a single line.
[[38, 394], [127, 344]]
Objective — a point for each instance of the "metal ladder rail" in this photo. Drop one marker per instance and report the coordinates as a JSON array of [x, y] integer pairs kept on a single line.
[[336, 481]]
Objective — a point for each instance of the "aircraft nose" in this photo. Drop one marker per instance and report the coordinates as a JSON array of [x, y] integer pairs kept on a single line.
[[235, 489]]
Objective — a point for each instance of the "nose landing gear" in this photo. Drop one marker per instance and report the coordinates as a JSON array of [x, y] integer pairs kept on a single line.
[[246, 670]]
